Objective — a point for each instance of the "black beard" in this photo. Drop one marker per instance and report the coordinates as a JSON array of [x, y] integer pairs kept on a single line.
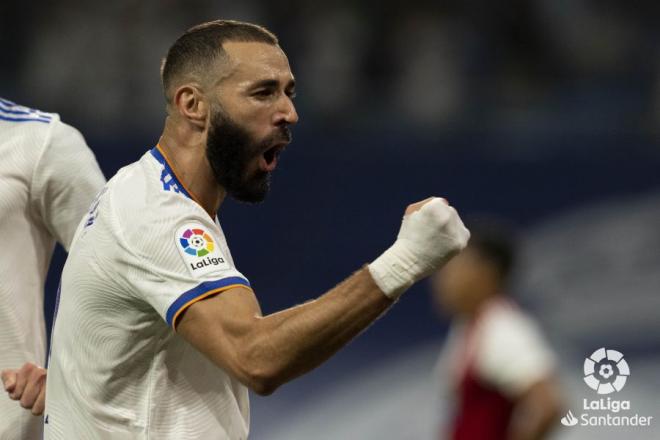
[[229, 150]]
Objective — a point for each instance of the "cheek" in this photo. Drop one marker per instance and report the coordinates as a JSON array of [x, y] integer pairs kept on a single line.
[[262, 133], [256, 121], [252, 165]]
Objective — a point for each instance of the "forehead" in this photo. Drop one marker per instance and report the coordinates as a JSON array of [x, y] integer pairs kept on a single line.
[[250, 62]]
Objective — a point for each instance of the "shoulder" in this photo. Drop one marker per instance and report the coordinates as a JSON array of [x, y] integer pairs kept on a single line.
[[66, 138], [512, 352], [26, 128], [505, 320], [508, 333], [146, 209], [16, 115], [66, 157], [42, 137]]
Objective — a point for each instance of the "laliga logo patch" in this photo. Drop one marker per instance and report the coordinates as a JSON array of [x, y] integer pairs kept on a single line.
[[196, 242], [199, 251]]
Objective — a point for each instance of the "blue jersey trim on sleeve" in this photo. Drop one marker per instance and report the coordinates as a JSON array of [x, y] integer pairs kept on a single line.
[[199, 292]]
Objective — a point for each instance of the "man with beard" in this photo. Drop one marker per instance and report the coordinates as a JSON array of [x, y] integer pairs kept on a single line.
[[157, 334]]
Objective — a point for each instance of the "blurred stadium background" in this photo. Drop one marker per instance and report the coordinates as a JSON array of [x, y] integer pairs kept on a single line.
[[543, 112]]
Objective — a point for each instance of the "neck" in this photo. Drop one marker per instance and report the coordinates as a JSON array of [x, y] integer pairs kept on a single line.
[[185, 149], [474, 310]]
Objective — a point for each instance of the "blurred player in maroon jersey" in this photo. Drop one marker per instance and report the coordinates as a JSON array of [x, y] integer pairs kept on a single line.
[[501, 368]]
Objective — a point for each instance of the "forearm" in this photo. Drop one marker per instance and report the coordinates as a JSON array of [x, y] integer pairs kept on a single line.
[[265, 352], [294, 341]]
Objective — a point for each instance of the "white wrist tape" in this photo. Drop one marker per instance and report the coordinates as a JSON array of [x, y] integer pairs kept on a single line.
[[428, 237]]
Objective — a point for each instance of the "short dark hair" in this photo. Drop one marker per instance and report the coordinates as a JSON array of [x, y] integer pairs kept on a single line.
[[494, 242], [201, 45]]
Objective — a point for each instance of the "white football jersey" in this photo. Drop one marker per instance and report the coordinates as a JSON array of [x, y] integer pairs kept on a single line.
[[503, 347], [118, 369], [48, 178]]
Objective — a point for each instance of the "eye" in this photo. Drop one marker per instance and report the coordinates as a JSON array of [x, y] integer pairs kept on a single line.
[[291, 94], [262, 93]]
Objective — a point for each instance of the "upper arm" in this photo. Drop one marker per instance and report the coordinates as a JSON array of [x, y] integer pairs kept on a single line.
[[537, 410], [204, 298], [66, 179], [220, 326], [542, 395], [168, 253], [174, 262]]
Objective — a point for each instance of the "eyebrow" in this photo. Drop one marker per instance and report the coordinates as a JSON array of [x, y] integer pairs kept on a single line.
[[272, 83]]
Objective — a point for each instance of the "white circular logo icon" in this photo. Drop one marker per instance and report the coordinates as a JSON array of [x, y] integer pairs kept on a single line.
[[606, 371]]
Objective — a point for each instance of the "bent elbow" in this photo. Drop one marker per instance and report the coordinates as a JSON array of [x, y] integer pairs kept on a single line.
[[264, 388], [260, 374], [263, 383], [262, 370]]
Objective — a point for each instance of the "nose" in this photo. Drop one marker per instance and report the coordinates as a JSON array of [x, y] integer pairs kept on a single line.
[[286, 113]]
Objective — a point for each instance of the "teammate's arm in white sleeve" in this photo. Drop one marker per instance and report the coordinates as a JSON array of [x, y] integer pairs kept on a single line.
[[265, 352], [66, 179]]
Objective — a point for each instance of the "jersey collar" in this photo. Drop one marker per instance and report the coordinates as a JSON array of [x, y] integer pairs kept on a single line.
[[169, 178]]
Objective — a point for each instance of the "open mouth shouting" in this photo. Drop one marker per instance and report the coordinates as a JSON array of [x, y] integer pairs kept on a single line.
[[268, 159]]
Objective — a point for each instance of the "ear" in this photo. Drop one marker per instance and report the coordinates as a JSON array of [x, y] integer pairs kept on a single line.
[[191, 104]]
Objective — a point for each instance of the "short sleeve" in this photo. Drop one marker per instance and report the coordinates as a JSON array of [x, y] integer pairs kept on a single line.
[[66, 179], [171, 264], [512, 353]]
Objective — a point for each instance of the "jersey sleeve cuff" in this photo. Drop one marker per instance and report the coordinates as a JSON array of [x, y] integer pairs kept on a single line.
[[198, 293]]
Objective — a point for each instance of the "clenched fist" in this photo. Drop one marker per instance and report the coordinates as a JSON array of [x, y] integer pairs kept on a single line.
[[27, 385], [431, 233]]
